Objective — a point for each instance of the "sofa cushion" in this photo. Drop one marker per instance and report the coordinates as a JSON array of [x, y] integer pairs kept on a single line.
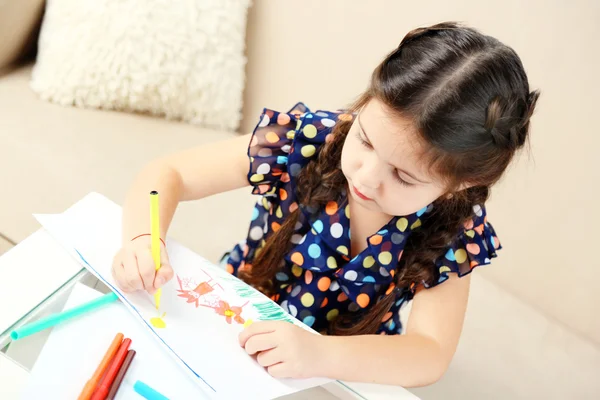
[[183, 60], [18, 21]]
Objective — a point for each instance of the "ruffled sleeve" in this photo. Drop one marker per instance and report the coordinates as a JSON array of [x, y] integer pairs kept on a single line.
[[476, 245], [269, 148]]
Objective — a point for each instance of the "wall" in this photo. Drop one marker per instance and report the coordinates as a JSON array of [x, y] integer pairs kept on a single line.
[[546, 209]]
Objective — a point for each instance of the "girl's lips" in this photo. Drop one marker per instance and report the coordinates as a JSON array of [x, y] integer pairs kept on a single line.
[[359, 194]]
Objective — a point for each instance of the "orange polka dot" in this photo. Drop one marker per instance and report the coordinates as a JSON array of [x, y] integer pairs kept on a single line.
[[324, 283], [345, 117], [474, 264], [329, 138], [308, 277], [289, 289], [387, 316], [473, 248], [297, 258], [331, 208], [390, 288], [275, 226], [324, 303], [375, 239], [283, 119], [392, 273], [230, 268], [342, 297], [363, 300], [293, 207], [285, 177], [469, 224], [283, 194], [272, 137], [479, 229], [400, 256]]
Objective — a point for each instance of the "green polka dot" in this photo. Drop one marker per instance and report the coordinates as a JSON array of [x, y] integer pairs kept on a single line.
[[296, 270], [308, 150], [290, 135], [331, 315], [257, 178], [461, 256], [279, 213], [385, 258], [347, 211], [307, 299], [416, 224], [402, 224], [332, 263], [369, 261], [310, 131], [343, 250]]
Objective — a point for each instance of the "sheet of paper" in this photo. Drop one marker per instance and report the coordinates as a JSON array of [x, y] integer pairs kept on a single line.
[[203, 308], [75, 348]]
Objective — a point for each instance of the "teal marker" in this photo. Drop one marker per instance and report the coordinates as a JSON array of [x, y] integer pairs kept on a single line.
[[147, 392], [55, 319]]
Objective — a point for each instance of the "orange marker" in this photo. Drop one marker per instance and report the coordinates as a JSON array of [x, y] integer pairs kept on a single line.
[[90, 386]]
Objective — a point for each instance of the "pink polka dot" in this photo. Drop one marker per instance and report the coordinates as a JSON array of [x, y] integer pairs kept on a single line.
[[473, 248], [283, 119]]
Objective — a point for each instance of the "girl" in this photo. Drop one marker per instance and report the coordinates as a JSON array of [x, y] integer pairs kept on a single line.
[[361, 211]]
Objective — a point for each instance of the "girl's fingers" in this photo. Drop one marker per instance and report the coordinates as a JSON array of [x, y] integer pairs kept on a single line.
[[269, 357], [260, 343], [257, 328]]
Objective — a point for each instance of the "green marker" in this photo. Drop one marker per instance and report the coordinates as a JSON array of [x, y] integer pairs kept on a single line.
[[55, 319]]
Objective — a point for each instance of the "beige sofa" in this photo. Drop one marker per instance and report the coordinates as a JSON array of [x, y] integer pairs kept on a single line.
[[529, 331]]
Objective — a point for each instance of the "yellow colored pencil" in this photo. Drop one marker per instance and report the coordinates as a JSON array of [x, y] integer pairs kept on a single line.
[[155, 239]]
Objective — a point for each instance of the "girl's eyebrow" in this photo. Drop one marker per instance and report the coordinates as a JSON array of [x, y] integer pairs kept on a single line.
[[399, 169]]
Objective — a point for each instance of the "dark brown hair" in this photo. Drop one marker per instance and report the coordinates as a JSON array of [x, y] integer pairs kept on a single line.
[[468, 96]]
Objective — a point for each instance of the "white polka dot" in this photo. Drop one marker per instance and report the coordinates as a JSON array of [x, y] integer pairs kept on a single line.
[[383, 272], [265, 152], [263, 169], [296, 238], [286, 148], [296, 290], [293, 310], [256, 233], [477, 210], [337, 230], [321, 114], [284, 305], [334, 286], [351, 275], [265, 121], [303, 239], [328, 122]]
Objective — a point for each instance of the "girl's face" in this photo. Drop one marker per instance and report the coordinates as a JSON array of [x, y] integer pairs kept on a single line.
[[383, 163]]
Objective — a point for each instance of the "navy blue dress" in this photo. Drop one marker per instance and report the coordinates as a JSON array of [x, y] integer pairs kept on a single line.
[[319, 280]]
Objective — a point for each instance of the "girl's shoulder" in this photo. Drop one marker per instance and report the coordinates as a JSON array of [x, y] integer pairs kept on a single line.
[[476, 244], [284, 142]]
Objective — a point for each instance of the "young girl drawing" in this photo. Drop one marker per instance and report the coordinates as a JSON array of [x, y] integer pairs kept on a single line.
[[361, 210]]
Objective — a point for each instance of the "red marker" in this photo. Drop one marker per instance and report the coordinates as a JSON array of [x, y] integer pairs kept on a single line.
[[104, 386]]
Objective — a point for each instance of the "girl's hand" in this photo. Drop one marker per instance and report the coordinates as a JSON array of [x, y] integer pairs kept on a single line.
[[284, 349], [133, 267]]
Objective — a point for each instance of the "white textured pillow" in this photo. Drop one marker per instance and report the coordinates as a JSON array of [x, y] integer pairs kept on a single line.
[[179, 59]]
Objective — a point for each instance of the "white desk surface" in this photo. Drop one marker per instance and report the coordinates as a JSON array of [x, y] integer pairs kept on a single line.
[[45, 266]]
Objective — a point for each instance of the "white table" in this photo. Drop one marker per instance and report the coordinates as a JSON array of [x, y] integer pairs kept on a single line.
[[37, 277]]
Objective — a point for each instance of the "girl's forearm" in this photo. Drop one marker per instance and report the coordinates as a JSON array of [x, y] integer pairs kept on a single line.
[[404, 360], [136, 209]]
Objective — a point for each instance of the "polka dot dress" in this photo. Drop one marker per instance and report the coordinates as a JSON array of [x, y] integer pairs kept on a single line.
[[318, 280]]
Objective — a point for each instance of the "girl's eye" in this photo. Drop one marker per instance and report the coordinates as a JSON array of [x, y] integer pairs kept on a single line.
[[363, 141], [402, 181]]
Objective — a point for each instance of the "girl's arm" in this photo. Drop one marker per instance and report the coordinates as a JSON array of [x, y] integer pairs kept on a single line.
[[187, 175], [418, 358]]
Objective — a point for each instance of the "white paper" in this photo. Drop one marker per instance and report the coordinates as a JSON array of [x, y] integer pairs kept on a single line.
[[74, 350], [204, 341]]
